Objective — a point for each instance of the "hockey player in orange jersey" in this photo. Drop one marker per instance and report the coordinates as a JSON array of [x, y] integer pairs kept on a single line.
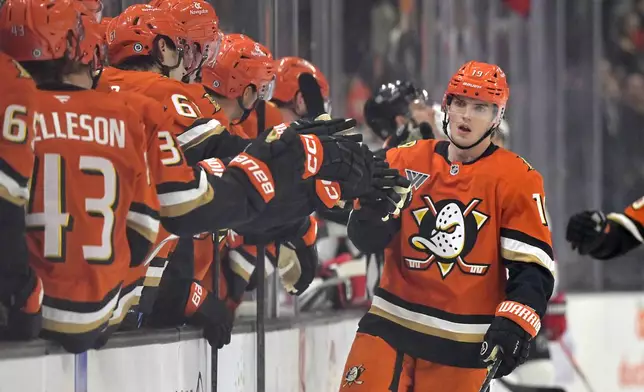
[[242, 70], [232, 80], [182, 190], [202, 28], [198, 136], [170, 168], [445, 301], [607, 236], [92, 211], [20, 287]]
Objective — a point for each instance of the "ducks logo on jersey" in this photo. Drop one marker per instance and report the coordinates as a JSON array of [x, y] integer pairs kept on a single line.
[[447, 232], [353, 376]]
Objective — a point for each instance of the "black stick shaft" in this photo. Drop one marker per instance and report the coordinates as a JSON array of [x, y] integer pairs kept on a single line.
[[260, 269], [215, 285]]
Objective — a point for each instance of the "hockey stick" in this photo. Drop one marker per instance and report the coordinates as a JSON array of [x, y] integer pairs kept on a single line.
[[491, 371], [523, 388], [344, 272], [215, 287], [260, 270], [575, 365], [312, 95]]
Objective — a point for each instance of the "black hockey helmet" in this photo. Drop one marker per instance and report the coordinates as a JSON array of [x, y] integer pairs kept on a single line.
[[391, 100]]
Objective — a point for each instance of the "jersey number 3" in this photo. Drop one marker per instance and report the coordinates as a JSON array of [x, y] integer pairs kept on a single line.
[[55, 221]]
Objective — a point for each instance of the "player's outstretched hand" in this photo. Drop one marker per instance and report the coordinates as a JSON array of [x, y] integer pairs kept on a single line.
[[302, 150], [586, 231], [389, 195]]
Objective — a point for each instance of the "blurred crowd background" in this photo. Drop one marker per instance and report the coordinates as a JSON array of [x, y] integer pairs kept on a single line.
[[575, 67]]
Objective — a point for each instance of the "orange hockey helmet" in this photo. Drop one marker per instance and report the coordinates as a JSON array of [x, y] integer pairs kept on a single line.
[[482, 81], [288, 72], [134, 33], [102, 27], [38, 30], [241, 62], [201, 23], [93, 46], [95, 7]]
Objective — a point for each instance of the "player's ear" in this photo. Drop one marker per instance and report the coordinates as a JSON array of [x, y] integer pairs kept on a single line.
[[249, 96], [71, 50], [300, 105], [162, 46]]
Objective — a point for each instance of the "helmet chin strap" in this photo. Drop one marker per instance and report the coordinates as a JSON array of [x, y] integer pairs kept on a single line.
[[165, 69], [96, 76], [459, 146], [246, 112]]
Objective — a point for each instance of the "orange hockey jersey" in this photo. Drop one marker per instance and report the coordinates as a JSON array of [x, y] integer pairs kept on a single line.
[[17, 99], [234, 202], [445, 266], [93, 210], [178, 101], [186, 194], [16, 153], [632, 219]]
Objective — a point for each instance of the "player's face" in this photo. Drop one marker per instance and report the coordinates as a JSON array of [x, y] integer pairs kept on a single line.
[[469, 119]]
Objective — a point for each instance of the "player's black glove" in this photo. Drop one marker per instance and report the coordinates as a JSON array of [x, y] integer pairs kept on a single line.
[[586, 231], [211, 313], [24, 307], [408, 133], [514, 345], [391, 193], [189, 301], [514, 326], [343, 159], [305, 149]]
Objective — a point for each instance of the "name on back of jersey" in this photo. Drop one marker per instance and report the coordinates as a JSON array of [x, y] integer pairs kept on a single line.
[[82, 127]]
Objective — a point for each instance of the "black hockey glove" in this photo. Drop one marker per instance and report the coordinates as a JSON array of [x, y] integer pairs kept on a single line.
[[586, 231], [390, 195], [24, 306], [302, 150], [343, 160], [211, 313], [408, 133], [514, 326]]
